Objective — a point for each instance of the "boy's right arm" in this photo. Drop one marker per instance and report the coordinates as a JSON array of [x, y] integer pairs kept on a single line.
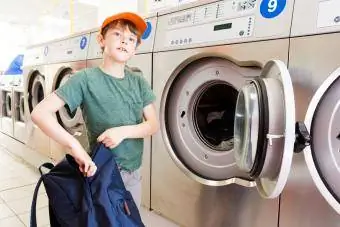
[[43, 117]]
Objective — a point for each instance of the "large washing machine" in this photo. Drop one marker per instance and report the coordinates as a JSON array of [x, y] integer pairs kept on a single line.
[[19, 130], [66, 57], [204, 55], [6, 99], [314, 65], [35, 90], [140, 63]]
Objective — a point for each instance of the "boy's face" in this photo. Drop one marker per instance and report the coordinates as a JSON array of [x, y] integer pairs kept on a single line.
[[119, 43]]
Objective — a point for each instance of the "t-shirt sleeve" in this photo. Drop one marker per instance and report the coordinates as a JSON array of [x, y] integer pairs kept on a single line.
[[146, 92], [72, 92]]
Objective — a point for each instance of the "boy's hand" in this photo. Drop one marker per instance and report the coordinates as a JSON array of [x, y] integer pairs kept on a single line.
[[86, 165], [112, 137]]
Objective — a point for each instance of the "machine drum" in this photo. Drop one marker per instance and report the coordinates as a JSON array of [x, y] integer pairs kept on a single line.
[[199, 111], [36, 91], [8, 109], [22, 108]]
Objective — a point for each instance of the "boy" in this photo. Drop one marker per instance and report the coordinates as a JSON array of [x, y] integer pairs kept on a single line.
[[113, 100]]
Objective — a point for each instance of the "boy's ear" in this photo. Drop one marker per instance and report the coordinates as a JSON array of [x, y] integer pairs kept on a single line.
[[100, 40]]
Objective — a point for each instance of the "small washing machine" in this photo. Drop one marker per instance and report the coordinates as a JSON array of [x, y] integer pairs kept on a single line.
[[67, 56], [204, 55], [140, 63], [19, 109], [35, 84], [6, 96]]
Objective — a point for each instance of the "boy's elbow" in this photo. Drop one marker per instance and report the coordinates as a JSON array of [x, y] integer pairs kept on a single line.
[[35, 115]]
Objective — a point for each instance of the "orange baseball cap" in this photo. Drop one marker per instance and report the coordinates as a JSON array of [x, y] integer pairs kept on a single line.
[[134, 18]]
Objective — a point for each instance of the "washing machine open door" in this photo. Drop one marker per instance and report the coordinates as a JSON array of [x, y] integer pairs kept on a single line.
[[266, 137], [323, 155], [8, 106], [264, 128]]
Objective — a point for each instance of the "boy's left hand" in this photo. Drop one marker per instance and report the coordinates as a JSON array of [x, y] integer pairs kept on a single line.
[[112, 137]]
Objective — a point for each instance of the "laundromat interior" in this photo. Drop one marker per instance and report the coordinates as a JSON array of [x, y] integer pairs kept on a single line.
[[247, 102]]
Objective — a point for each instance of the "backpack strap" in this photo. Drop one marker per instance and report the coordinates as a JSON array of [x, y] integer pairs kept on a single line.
[[33, 221]]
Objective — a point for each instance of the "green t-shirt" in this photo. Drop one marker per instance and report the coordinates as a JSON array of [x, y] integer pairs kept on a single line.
[[108, 102]]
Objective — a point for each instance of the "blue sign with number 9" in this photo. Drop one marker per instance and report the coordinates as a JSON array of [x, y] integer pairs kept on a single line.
[[272, 8]]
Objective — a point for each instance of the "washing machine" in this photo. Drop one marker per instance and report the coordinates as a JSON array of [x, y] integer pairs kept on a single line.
[[6, 98], [312, 195], [19, 125], [35, 90], [204, 55], [66, 57], [140, 63]]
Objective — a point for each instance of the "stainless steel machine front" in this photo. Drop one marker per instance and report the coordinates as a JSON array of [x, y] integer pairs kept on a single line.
[[35, 84], [141, 63], [6, 99], [19, 131], [204, 56]]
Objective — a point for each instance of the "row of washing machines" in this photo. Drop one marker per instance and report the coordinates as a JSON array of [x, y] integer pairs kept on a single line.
[[248, 96]]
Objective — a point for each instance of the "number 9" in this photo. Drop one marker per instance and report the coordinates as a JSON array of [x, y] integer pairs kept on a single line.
[[272, 5]]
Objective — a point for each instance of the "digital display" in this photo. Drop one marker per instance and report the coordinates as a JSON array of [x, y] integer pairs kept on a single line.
[[222, 26]]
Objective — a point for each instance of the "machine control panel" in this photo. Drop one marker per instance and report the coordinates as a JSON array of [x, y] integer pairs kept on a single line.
[[94, 48], [146, 46], [35, 56], [211, 13], [227, 29], [217, 21], [223, 22], [71, 49], [328, 14], [315, 17]]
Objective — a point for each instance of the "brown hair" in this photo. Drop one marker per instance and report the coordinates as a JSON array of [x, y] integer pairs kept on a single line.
[[125, 24]]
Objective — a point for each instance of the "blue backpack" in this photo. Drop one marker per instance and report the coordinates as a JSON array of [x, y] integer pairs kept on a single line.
[[98, 201]]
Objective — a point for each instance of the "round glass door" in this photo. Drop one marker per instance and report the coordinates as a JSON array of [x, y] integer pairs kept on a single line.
[[246, 127], [36, 90], [22, 108], [265, 129], [8, 104]]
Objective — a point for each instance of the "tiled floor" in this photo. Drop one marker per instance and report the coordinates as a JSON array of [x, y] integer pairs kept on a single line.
[[17, 183]]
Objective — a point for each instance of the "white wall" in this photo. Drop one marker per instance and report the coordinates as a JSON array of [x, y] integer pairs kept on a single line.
[[108, 7]]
